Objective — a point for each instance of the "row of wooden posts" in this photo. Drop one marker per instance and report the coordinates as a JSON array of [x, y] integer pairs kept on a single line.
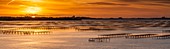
[[23, 32], [107, 37]]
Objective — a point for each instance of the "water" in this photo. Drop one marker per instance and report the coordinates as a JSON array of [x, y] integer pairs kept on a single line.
[[75, 34]]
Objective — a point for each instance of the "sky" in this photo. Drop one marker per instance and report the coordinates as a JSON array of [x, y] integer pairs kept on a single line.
[[91, 8]]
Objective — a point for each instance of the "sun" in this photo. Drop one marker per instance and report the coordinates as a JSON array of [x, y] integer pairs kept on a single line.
[[33, 10], [33, 16]]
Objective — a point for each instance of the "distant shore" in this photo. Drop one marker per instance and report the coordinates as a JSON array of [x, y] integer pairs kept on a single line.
[[29, 18]]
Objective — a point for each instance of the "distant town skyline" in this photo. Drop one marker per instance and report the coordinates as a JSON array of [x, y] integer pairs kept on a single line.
[[90, 8]]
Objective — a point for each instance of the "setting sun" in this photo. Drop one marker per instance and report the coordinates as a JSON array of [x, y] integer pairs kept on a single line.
[[33, 10], [33, 16]]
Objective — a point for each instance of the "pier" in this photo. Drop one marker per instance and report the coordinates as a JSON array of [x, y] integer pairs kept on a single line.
[[24, 32], [140, 36], [108, 37], [162, 36], [115, 35], [100, 39]]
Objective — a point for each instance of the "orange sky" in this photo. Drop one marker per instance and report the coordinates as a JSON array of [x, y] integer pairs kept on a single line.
[[92, 8]]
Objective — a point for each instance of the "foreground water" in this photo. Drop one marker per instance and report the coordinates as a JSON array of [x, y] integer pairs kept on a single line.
[[75, 34]]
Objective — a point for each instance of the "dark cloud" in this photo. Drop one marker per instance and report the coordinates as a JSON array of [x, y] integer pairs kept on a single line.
[[156, 4], [130, 0], [159, 0], [126, 8], [155, 1], [164, 3], [107, 3]]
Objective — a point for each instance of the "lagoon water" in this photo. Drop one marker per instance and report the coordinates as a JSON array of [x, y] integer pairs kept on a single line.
[[75, 34]]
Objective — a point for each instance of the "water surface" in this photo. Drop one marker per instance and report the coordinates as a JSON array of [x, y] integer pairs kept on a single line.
[[75, 34]]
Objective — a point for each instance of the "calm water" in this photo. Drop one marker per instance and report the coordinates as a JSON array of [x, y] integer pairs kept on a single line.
[[75, 34]]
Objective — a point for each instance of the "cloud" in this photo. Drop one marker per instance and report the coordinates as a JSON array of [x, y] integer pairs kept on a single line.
[[155, 4], [107, 3], [130, 0], [152, 1], [163, 3]]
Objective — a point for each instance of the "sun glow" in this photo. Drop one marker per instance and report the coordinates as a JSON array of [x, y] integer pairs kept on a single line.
[[33, 10], [34, 0], [33, 16]]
